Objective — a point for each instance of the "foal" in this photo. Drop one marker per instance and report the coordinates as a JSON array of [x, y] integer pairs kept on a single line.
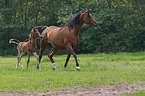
[[29, 46]]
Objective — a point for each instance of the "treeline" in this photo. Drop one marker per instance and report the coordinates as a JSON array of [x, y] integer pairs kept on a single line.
[[121, 23]]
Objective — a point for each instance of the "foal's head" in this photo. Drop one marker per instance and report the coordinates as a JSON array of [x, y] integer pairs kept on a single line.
[[87, 18], [35, 34]]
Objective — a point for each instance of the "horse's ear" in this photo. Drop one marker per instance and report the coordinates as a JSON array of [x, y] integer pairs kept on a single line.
[[84, 13], [33, 29], [36, 30], [87, 11]]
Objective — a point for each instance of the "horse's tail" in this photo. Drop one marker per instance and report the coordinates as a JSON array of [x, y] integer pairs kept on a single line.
[[41, 28], [14, 41]]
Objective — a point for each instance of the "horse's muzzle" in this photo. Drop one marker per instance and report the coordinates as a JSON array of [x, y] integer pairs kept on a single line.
[[96, 24]]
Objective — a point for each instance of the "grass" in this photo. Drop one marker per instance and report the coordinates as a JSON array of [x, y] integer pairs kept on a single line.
[[96, 70]]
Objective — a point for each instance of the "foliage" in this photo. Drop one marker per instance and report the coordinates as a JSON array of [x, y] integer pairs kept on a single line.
[[121, 23], [121, 28], [96, 70]]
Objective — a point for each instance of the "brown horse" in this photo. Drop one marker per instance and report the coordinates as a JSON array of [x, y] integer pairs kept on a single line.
[[29, 46], [66, 37]]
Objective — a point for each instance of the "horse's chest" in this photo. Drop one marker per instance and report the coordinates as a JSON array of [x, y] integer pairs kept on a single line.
[[73, 41], [32, 47]]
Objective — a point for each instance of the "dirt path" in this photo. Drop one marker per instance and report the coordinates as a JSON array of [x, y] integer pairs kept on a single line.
[[109, 90]]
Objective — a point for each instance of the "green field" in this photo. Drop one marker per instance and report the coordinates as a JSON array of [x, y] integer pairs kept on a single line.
[[96, 70]]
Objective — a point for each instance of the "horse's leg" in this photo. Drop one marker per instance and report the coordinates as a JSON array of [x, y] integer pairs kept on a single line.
[[51, 57], [18, 57], [22, 53], [28, 59], [71, 50], [42, 47], [67, 59], [35, 54]]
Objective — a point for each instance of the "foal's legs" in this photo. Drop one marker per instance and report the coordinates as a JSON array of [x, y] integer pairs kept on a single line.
[[22, 53], [28, 59], [19, 56], [35, 54], [71, 50], [54, 50]]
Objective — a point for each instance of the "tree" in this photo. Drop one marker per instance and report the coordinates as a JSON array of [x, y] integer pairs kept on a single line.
[[121, 23]]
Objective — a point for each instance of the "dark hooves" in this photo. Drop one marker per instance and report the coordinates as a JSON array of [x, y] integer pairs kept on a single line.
[[53, 68]]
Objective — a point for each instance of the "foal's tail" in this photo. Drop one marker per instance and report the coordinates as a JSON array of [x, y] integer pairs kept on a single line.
[[14, 41]]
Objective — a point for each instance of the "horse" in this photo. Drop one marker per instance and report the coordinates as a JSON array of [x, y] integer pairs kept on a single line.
[[66, 37], [29, 46]]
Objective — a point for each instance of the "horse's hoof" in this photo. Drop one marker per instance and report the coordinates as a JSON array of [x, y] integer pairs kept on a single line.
[[53, 68], [78, 68], [22, 66], [37, 67], [64, 68]]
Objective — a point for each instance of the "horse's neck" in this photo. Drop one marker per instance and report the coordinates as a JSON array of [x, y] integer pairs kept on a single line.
[[33, 42], [77, 29]]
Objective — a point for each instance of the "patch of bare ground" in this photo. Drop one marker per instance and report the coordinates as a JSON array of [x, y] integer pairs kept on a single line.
[[109, 90]]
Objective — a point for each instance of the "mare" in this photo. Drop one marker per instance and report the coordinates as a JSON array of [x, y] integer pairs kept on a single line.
[[29, 46], [66, 37]]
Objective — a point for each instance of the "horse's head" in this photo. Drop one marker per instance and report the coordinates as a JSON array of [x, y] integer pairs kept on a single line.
[[35, 33], [88, 19]]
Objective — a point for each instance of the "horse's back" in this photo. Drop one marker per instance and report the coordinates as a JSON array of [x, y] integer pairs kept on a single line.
[[51, 32], [54, 36], [51, 29], [55, 27]]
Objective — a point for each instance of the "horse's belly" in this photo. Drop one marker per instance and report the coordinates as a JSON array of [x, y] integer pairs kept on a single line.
[[58, 45], [23, 46]]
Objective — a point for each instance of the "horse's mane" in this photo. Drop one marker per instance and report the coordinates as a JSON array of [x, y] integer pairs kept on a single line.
[[74, 22], [30, 33]]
